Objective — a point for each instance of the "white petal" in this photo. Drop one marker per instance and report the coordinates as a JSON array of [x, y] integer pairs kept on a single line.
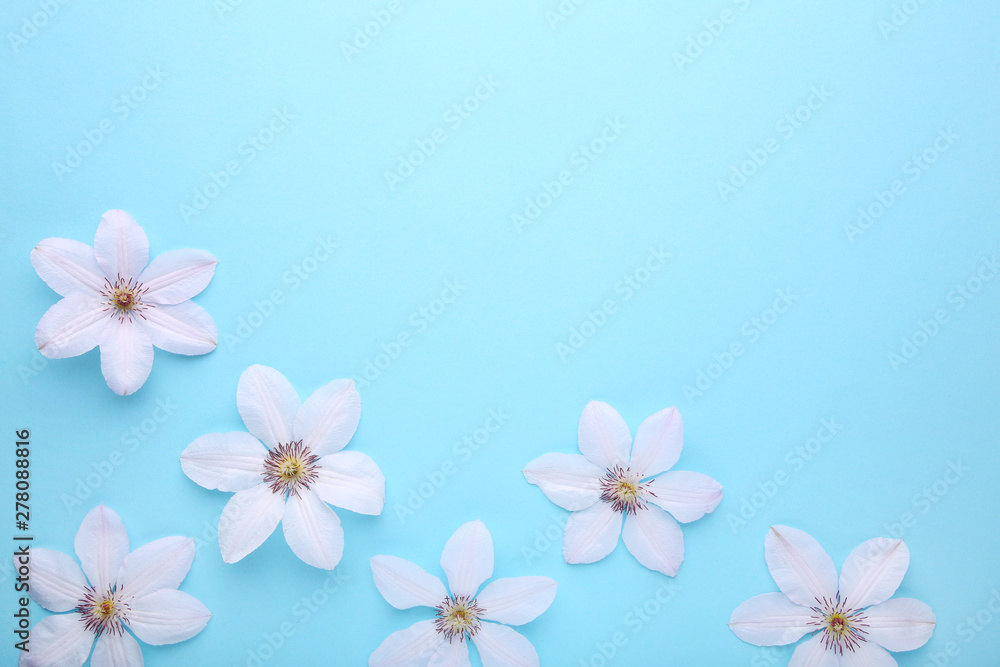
[[58, 641], [351, 480], [451, 654], [404, 584], [72, 326], [160, 564], [117, 651], [225, 461], [873, 571], [67, 266], [770, 619], [568, 480], [268, 403], [591, 534], [184, 328], [900, 624], [101, 545], [411, 647], [655, 539], [313, 530], [326, 422], [177, 275], [467, 558], [801, 568], [812, 653], [167, 616], [120, 246], [247, 520], [867, 654], [517, 600], [57, 582], [500, 646], [126, 356], [604, 436], [687, 495], [658, 443]]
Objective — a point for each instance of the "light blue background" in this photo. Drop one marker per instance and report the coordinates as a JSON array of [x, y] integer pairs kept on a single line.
[[524, 290]]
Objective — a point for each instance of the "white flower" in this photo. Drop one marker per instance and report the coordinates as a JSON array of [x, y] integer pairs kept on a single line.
[[606, 486], [853, 621], [121, 590], [295, 475], [112, 299], [462, 615]]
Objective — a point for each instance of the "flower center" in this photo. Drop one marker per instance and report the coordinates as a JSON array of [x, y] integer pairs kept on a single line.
[[623, 490], [103, 612], [289, 467], [842, 627], [124, 297], [458, 617]]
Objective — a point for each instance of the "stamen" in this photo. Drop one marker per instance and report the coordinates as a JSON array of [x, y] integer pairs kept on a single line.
[[290, 466], [622, 489], [842, 627], [124, 297], [458, 617], [103, 613]]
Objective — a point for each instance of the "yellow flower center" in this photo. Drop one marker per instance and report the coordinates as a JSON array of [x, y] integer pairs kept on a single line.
[[842, 627], [289, 467], [621, 488], [124, 298], [458, 617], [104, 612]]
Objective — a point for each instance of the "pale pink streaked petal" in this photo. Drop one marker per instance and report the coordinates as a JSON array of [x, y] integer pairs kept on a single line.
[[467, 558], [350, 480], [327, 420], [120, 246], [655, 539], [568, 480], [184, 328], [603, 436], [867, 654], [68, 266], [688, 496], [56, 581], [162, 563], [167, 616], [101, 545], [313, 530], [500, 646], [900, 624], [411, 647], [177, 275], [72, 326], [58, 641], [126, 356], [770, 619], [268, 404], [873, 571], [658, 443], [516, 600], [116, 651], [404, 584], [801, 568], [451, 654], [812, 653], [247, 520], [225, 461], [591, 534]]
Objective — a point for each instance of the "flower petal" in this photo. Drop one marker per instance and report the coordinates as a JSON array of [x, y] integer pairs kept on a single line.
[[687, 495], [467, 558], [411, 647], [116, 651], [604, 436], [517, 600], [225, 461], [801, 568], [247, 520], [101, 545], [900, 624], [120, 246], [655, 539], [67, 266], [873, 571], [58, 641], [404, 584], [591, 534], [328, 419], [167, 616], [57, 582], [658, 443], [313, 530], [867, 654], [126, 356], [500, 646], [177, 275], [351, 480], [160, 564], [268, 403], [451, 654], [72, 326], [813, 653], [770, 619], [568, 480], [184, 328]]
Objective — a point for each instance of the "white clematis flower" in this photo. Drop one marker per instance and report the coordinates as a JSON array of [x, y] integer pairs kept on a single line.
[[610, 484], [116, 590], [852, 620], [113, 299], [462, 615], [292, 476]]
